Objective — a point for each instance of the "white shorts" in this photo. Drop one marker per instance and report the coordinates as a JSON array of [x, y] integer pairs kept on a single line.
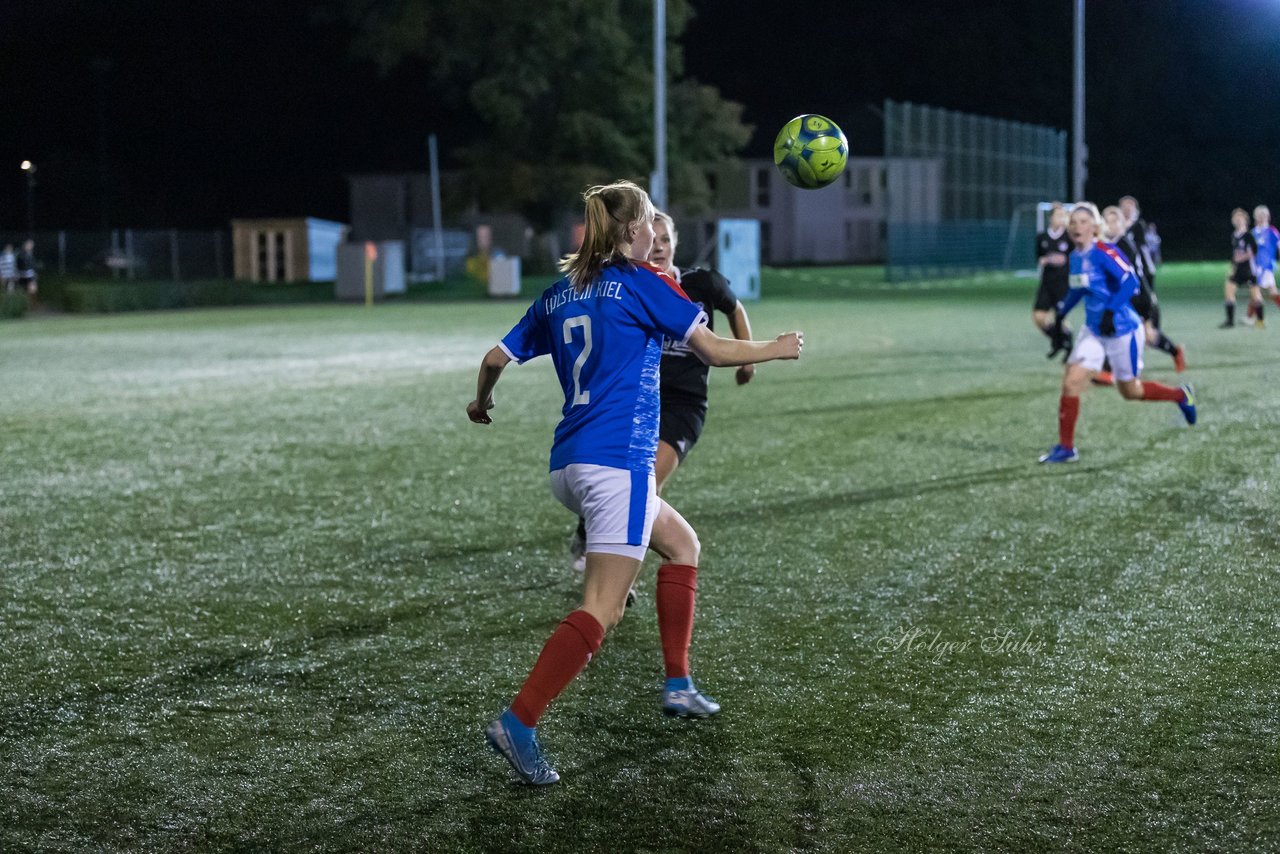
[[1267, 279], [1123, 351], [619, 506]]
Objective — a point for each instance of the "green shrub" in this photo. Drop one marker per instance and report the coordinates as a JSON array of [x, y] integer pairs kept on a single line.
[[12, 305], [116, 296]]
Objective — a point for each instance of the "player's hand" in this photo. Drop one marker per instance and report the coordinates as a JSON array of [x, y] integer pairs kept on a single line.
[[1107, 325], [480, 414], [790, 344], [745, 373]]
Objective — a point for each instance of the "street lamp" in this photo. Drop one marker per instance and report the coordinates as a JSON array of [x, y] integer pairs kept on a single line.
[[30, 169]]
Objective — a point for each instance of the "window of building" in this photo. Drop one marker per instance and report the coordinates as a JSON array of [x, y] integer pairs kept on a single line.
[[282, 257], [766, 242]]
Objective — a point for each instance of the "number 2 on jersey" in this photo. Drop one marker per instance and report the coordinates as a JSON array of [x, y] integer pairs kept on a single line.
[[581, 396]]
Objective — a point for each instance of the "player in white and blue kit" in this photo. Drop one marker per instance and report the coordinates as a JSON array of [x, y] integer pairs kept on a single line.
[[603, 326], [1112, 331], [1268, 240]]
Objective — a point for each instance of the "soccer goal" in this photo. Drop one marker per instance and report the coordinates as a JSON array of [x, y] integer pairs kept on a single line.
[[1024, 224]]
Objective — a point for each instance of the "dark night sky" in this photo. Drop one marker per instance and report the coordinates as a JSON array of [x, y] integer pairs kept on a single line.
[[251, 107]]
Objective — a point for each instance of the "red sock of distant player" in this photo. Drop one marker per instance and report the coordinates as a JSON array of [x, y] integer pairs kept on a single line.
[[566, 652], [1156, 391], [677, 586], [1276, 297], [1068, 412]]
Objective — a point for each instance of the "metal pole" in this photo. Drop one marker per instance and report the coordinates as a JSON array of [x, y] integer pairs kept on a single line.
[[658, 183], [435, 205], [1080, 153], [31, 203]]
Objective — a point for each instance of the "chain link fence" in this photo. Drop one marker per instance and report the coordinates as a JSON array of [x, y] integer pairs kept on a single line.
[[171, 255], [961, 216]]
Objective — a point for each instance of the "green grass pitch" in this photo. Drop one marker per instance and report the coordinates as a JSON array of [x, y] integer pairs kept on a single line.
[[262, 585]]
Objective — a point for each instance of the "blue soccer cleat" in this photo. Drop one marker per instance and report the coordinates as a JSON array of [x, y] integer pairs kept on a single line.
[[1059, 454], [518, 744], [681, 700], [1188, 406]]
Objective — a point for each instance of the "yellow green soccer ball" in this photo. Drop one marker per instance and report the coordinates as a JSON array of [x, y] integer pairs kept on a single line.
[[811, 151]]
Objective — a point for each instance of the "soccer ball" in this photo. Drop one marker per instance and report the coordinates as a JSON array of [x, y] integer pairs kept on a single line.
[[811, 151]]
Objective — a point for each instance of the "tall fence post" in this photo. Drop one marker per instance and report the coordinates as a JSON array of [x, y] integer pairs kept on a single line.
[[62, 253], [128, 253]]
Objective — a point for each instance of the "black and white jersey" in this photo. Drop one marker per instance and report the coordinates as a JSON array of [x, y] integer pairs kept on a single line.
[[684, 375], [1143, 262], [1053, 243], [1243, 247]]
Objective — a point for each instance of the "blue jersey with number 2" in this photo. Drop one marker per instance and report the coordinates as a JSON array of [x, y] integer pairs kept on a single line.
[[606, 343]]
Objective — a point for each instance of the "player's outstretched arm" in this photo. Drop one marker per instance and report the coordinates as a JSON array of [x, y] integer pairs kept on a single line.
[[490, 369], [740, 324], [726, 352]]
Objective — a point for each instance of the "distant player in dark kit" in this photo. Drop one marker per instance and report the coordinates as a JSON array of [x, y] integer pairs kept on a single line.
[[1052, 248], [1136, 228], [1244, 252], [1121, 235]]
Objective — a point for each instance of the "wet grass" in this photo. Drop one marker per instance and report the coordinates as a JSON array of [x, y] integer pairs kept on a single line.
[[263, 584]]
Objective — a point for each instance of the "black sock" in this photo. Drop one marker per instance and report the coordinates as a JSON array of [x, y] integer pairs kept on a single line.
[[1259, 311], [1231, 311], [1163, 343]]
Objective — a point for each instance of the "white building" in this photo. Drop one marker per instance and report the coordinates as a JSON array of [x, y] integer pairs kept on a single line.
[[845, 222]]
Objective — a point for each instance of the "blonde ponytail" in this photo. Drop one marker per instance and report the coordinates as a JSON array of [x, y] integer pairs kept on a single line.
[[611, 209]]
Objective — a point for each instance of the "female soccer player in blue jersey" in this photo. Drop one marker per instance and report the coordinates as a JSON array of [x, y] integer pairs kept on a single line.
[[603, 326], [1112, 330], [684, 375], [1267, 238]]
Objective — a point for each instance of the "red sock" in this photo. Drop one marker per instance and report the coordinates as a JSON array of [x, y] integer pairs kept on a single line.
[[1068, 412], [1156, 391], [1276, 297], [566, 652], [677, 585]]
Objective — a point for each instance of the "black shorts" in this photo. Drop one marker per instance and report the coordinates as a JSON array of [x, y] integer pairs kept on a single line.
[[680, 425], [1243, 274], [1051, 293]]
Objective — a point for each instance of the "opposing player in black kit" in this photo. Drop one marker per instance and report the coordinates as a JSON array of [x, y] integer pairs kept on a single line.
[[1123, 234], [1244, 249], [683, 382], [1052, 249]]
